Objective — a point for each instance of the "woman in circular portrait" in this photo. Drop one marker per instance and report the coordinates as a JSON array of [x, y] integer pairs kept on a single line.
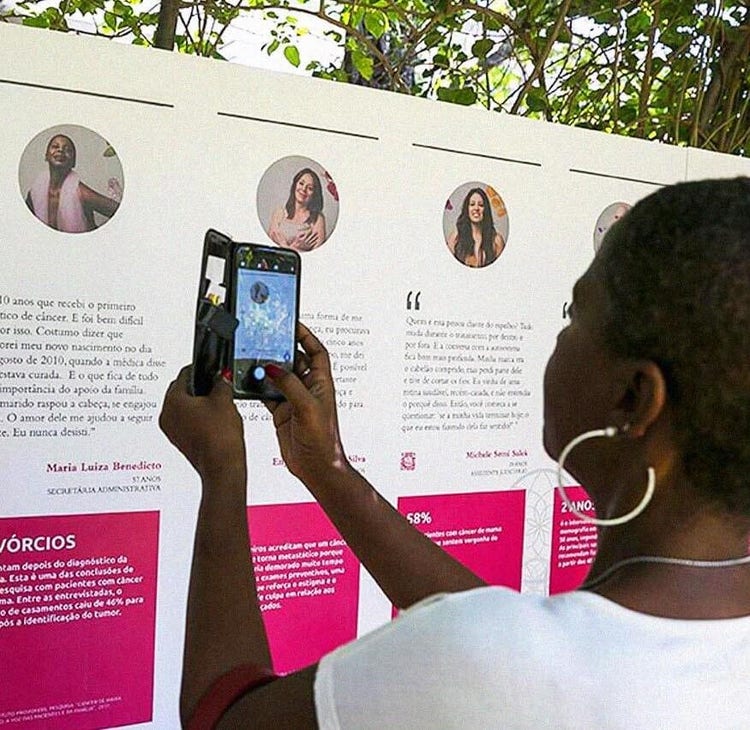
[[476, 240], [300, 223], [298, 203], [56, 194], [607, 218]]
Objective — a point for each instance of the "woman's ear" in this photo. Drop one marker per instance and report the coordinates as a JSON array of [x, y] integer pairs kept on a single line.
[[642, 397]]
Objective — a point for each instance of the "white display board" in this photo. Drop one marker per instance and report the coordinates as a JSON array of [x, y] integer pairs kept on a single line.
[[439, 363]]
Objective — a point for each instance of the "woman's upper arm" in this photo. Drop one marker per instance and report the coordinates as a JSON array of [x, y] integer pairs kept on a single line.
[[285, 704], [499, 244], [96, 201], [452, 241], [319, 228], [273, 227]]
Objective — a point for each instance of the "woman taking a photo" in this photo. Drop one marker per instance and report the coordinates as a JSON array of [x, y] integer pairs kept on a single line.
[[647, 402]]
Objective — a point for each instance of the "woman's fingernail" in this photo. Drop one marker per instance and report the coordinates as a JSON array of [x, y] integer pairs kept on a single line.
[[226, 374], [274, 370]]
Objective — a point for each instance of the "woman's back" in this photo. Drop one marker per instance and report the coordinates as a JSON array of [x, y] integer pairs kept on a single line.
[[491, 658]]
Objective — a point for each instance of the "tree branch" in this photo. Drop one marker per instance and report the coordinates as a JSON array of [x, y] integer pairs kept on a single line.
[[542, 59], [166, 28]]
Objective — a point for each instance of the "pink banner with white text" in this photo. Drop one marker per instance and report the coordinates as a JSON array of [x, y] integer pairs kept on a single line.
[[483, 530], [77, 620], [308, 583], [573, 542]]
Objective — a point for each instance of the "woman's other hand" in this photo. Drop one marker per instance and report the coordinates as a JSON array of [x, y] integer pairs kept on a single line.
[[206, 429], [306, 423]]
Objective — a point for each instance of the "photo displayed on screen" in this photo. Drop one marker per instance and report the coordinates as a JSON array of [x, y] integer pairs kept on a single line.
[[265, 307]]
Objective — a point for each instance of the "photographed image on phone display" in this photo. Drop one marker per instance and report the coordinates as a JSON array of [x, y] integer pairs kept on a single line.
[[266, 293]]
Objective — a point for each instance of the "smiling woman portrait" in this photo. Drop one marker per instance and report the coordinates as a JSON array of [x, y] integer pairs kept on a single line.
[[646, 404], [300, 224], [57, 195], [297, 203], [478, 234]]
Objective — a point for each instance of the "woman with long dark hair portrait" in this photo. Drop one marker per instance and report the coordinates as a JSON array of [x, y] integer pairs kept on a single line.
[[300, 223], [476, 242]]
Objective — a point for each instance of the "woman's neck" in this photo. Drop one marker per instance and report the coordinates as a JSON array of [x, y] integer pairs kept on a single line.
[[301, 213], [680, 592], [57, 176], [704, 590]]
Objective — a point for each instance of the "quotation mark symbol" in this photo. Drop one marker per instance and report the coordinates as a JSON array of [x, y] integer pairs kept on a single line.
[[416, 300]]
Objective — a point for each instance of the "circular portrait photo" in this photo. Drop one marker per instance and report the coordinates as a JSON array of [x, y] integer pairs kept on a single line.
[[71, 178], [259, 292], [475, 224], [607, 218], [298, 204]]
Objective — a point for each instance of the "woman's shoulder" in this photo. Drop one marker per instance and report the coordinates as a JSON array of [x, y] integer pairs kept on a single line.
[[499, 606]]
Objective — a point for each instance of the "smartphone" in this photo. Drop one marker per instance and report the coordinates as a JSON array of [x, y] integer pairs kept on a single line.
[[265, 301], [214, 323]]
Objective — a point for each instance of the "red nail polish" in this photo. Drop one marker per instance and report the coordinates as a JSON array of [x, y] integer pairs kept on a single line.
[[274, 370]]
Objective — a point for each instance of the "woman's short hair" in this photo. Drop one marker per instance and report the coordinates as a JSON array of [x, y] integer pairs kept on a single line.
[[676, 271]]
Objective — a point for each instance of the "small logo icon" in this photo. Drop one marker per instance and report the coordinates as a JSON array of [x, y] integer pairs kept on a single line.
[[408, 461]]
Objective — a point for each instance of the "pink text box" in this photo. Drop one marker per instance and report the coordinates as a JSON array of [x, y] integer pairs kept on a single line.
[[482, 530], [308, 582], [573, 542], [77, 616]]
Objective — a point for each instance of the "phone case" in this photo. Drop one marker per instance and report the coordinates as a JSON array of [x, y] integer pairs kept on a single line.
[[214, 322]]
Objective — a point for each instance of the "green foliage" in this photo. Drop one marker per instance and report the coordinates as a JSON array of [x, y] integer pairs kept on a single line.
[[291, 53], [466, 96], [671, 70]]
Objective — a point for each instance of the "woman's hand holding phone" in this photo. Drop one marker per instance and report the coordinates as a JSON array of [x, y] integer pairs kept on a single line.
[[207, 429], [307, 423]]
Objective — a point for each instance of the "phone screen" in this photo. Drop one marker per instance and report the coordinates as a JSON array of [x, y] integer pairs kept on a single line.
[[266, 293]]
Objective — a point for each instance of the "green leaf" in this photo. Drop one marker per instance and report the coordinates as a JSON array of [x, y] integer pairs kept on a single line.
[[272, 46], [536, 100], [627, 114], [376, 23], [441, 60], [465, 96], [363, 63], [638, 23], [433, 38], [36, 22], [291, 53], [482, 47]]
